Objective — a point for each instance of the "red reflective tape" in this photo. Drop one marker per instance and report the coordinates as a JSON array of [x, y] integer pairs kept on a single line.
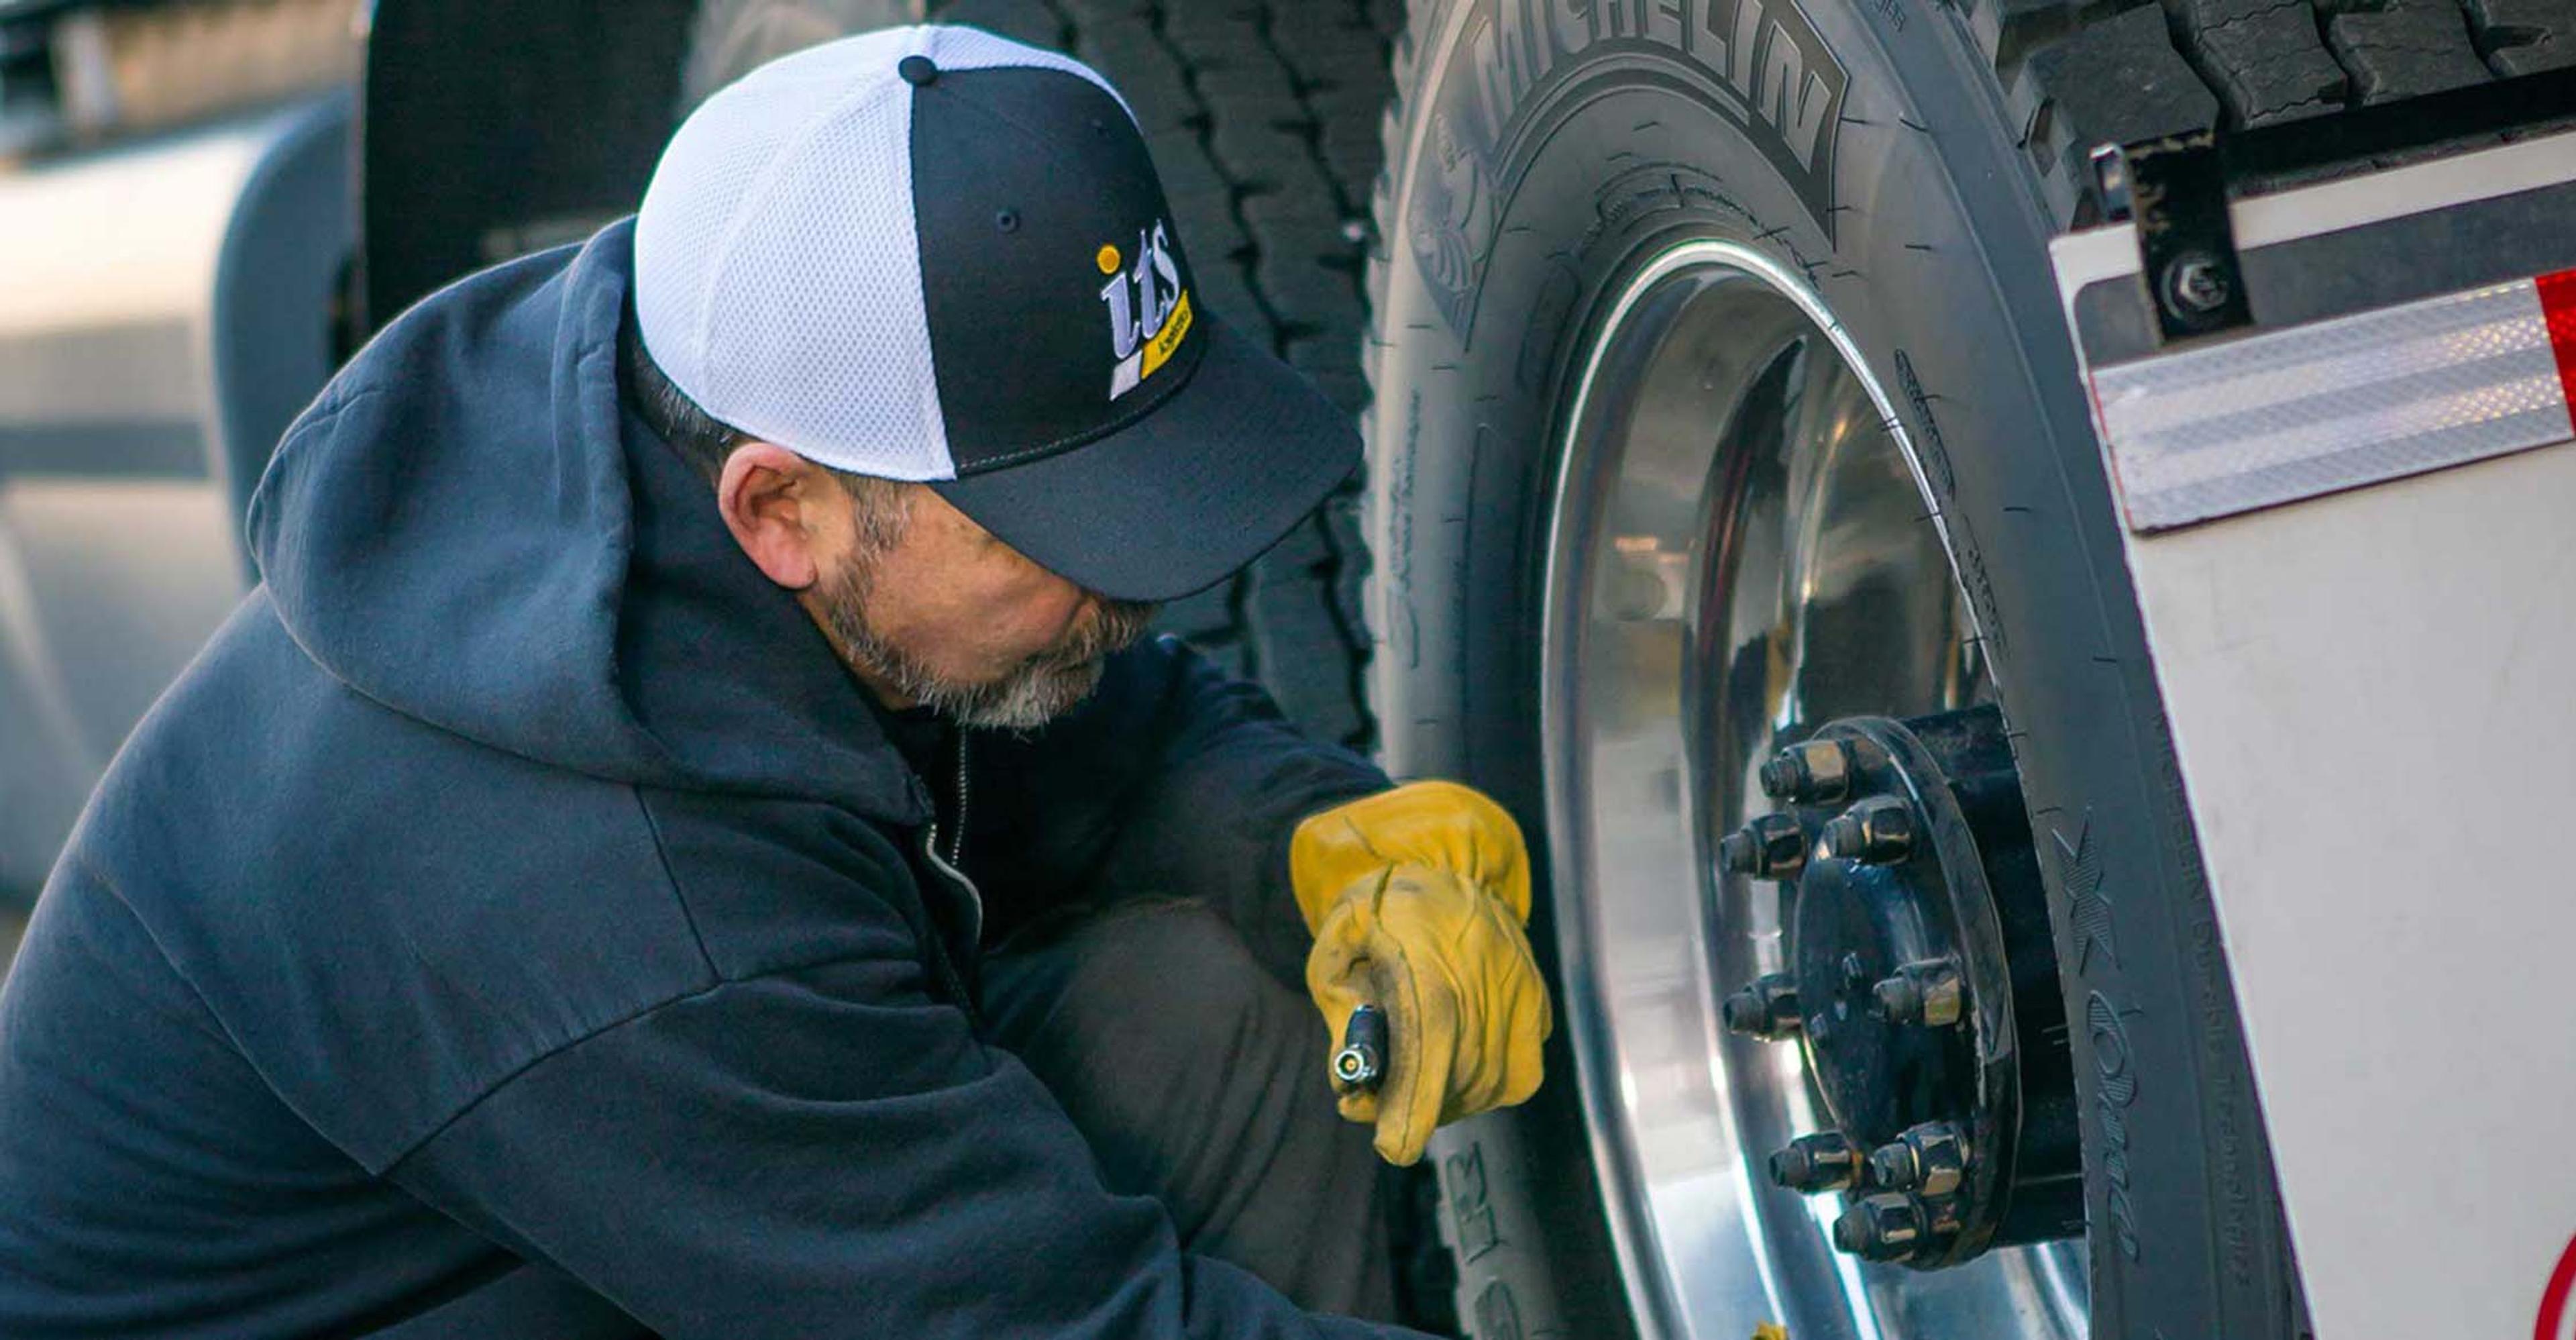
[[2558, 308], [2551, 1324]]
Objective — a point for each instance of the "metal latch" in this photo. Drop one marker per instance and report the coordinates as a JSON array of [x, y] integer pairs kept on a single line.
[[2175, 190], [2179, 189]]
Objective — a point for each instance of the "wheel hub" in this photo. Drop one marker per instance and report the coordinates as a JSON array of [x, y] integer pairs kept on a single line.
[[1921, 985], [1740, 541]]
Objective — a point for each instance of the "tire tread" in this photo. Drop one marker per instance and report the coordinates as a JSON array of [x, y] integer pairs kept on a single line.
[[2079, 73]]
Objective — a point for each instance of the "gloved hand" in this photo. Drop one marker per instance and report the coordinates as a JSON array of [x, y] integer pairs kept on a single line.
[[1417, 898]]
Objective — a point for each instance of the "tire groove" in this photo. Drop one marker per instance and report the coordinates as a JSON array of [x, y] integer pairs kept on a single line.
[[1257, 637]]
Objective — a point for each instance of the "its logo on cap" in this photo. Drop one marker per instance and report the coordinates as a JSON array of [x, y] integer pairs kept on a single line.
[[1149, 311]]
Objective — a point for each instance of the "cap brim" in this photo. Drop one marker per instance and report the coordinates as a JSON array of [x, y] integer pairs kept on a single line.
[[1178, 500]]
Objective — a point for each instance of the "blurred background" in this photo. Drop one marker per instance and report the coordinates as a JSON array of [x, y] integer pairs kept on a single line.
[[175, 203]]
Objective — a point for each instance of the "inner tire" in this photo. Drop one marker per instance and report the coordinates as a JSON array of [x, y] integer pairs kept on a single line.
[[1895, 163]]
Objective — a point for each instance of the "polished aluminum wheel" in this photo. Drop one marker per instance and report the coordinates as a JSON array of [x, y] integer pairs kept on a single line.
[[1740, 547]]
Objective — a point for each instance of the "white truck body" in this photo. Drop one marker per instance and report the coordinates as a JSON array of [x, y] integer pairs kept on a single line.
[[2372, 692]]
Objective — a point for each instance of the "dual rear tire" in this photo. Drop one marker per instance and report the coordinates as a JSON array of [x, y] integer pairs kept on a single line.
[[1550, 184]]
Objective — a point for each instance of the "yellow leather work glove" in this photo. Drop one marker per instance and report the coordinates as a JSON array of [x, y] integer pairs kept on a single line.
[[1417, 898]]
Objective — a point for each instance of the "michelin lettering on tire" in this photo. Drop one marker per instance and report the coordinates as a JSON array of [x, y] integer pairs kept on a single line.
[[1759, 62]]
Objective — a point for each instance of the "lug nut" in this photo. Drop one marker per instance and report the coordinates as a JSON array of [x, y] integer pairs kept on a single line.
[[1816, 1163], [1930, 1160], [1884, 1227], [1876, 831], [1927, 991], [1891, 1165], [1767, 1008], [1816, 772], [1773, 846]]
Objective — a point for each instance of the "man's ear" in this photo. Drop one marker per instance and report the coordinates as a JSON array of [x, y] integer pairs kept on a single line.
[[770, 498]]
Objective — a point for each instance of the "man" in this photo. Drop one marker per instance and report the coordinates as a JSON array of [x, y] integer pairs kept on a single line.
[[673, 843]]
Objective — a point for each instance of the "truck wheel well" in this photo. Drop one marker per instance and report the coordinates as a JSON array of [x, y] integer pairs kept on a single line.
[[490, 129]]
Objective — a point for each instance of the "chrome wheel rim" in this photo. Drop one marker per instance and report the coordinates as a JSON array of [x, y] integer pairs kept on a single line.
[[1740, 541]]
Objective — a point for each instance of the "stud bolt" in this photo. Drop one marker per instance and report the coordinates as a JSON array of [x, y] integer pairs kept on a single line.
[[1812, 1164], [1927, 991], [1929, 1160], [1877, 831], [1773, 846], [1818, 772], [1766, 1008], [1885, 1227]]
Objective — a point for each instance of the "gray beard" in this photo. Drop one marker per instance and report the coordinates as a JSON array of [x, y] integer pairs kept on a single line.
[[1032, 693]]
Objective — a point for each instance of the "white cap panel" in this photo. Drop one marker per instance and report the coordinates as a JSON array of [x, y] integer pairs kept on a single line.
[[778, 270], [706, 173], [778, 274], [821, 342]]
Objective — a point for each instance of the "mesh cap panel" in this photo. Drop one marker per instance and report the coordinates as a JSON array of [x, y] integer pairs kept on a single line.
[[777, 272], [820, 342]]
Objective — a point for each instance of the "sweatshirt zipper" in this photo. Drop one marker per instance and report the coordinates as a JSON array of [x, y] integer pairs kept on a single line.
[[953, 865], [957, 848]]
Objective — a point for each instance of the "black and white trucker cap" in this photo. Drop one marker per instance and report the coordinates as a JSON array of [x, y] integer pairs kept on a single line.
[[934, 254]]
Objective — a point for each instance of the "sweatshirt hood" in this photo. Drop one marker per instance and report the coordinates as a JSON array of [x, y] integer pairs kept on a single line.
[[470, 528]]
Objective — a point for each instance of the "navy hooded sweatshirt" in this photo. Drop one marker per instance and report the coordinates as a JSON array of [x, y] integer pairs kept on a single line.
[[516, 923]]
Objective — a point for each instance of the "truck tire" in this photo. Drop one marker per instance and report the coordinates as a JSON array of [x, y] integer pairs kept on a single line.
[[1902, 164], [1266, 136]]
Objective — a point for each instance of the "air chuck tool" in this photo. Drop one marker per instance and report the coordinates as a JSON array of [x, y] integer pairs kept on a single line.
[[1361, 1063]]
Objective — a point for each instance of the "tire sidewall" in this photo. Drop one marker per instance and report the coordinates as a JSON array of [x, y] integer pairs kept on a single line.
[[1930, 246]]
